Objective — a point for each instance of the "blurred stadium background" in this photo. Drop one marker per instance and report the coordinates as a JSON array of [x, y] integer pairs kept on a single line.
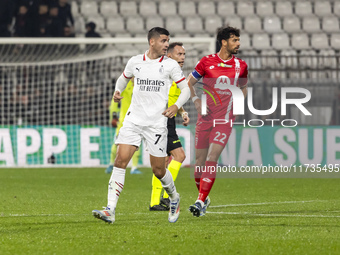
[[67, 84]]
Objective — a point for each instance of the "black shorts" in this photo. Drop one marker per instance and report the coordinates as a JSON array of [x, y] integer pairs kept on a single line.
[[173, 140]]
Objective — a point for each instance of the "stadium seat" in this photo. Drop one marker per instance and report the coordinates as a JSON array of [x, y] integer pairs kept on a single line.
[[335, 41], [106, 35], [98, 20], [206, 8], [261, 42], [122, 35], [300, 41], [280, 41], [153, 21], [108, 9], [330, 24], [311, 24], [264, 9], [245, 42], [322, 9], [140, 35], [187, 8], [272, 24], [303, 8], [252, 24], [167, 8], [135, 24], [174, 24], [234, 21], [251, 58], [201, 35], [319, 41], [181, 35], [270, 59], [284, 8], [327, 58], [224, 8], [74, 9], [308, 59], [291, 24], [211, 23], [141, 47], [245, 9], [336, 8], [147, 8], [79, 25], [128, 8], [115, 25], [194, 25], [289, 58], [89, 8]]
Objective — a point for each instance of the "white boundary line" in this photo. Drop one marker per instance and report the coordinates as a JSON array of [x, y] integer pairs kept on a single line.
[[269, 203], [39, 215], [277, 215], [274, 215], [59, 214]]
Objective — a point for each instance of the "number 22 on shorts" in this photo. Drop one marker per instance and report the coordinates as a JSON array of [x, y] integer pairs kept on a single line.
[[220, 137]]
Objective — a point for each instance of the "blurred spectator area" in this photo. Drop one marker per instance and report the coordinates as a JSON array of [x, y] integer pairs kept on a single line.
[[270, 25], [285, 43]]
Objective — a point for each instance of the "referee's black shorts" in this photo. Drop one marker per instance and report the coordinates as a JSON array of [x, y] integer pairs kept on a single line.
[[173, 140]]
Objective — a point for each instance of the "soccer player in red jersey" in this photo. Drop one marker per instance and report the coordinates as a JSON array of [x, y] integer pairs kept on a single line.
[[218, 71]]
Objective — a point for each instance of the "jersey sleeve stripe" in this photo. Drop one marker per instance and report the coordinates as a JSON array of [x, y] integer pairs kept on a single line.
[[126, 76], [196, 75], [180, 80]]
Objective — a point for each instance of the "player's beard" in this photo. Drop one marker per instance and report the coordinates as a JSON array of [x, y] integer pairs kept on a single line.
[[235, 51]]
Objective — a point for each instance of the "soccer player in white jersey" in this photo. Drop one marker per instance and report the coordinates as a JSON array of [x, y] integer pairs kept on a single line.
[[147, 118]]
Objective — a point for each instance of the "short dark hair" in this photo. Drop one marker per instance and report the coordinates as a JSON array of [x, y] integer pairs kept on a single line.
[[224, 33], [156, 32], [173, 45], [91, 25]]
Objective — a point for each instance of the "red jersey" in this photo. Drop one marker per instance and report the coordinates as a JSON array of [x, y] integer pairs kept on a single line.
[[218, 73]]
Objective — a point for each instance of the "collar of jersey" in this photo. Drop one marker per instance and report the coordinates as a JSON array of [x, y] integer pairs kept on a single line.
[[145, 57], [225, 60]]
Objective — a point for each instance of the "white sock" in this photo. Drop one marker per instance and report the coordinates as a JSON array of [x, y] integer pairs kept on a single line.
[[116, 185], [169, 185]]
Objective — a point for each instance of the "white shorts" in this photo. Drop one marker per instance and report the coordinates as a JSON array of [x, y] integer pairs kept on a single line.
[[156, 139]]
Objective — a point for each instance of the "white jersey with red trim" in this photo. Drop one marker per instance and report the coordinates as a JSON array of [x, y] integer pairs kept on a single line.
[[153, 79]]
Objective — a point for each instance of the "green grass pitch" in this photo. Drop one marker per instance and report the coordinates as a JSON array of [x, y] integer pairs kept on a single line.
[[48, 211]]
